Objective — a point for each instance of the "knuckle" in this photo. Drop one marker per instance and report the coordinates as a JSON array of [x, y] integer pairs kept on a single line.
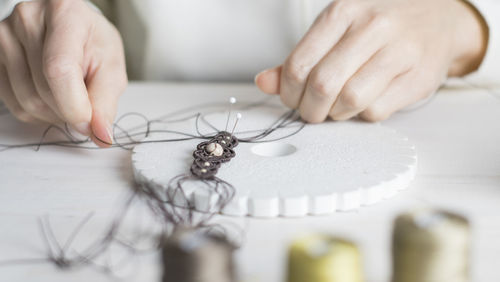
[[23, 20], [380, 21], [374, 114], [340, 8], [24, 13], [64, 12], [320, 90], [352, 98], [58, 67], [61, 6], [331, 12], [33, 106], [21, 9], [321, 87], [295, 72]]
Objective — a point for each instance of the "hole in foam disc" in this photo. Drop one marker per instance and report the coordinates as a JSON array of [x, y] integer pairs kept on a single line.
[[273, 149]]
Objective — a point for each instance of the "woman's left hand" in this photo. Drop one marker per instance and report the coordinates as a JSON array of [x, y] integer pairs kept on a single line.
[[374, 57]]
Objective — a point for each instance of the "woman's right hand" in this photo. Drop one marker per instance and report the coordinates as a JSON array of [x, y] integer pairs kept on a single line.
[[62, 61]]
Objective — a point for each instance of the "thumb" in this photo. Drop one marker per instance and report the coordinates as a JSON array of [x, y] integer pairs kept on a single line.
[[105, 88], [268, 80]]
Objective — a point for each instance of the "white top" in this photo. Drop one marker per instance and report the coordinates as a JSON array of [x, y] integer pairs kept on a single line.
[[218, 40], [489, 71], [232, 40]]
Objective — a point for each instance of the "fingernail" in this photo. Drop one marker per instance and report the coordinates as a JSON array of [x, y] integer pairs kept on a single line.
[[83, 128], [110, 134]]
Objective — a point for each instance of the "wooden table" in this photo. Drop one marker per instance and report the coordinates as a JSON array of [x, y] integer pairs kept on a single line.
[[457, 136]]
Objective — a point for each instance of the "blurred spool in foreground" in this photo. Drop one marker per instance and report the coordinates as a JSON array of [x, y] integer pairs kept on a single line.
[[322, 258], [193, 256], [431, 246]]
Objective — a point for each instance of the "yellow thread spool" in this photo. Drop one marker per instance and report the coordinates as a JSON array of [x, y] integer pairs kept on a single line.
[[322, 258], [431, 246]]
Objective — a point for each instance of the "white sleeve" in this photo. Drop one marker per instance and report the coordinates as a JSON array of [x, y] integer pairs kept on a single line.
[[489, 70]]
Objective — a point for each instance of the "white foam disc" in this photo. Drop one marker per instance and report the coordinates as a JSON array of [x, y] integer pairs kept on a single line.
[[324, 168]]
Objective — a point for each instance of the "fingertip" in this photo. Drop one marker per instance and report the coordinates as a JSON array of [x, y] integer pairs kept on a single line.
[[268, 80], [99, 142], [101, 131]]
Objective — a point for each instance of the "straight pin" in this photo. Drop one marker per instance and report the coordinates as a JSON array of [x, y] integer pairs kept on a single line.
[[238, 117], [232, 101]]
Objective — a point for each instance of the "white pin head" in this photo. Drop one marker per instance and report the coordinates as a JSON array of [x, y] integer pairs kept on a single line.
[[232, 101], [238, 116]]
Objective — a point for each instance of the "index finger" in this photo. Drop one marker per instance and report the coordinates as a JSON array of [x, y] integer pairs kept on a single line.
[[325, 32], [63, 57]]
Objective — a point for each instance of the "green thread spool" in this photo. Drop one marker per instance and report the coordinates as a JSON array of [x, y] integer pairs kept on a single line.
[[322, 258], [431, 246]]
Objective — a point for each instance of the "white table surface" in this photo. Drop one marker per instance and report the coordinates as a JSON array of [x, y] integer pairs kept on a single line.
[[457, 137]]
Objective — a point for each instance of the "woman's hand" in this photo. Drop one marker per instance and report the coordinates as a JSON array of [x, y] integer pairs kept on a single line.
[[62, 61], [374, 57]]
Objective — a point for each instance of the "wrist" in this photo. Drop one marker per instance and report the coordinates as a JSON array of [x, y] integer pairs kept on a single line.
[[470, 39]]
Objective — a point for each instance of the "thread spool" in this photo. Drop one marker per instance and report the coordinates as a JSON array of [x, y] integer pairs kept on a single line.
[[192, 256], [322, 258], [431, 246]]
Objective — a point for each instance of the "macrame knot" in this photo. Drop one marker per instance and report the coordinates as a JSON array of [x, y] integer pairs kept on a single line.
[[209, 155]]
